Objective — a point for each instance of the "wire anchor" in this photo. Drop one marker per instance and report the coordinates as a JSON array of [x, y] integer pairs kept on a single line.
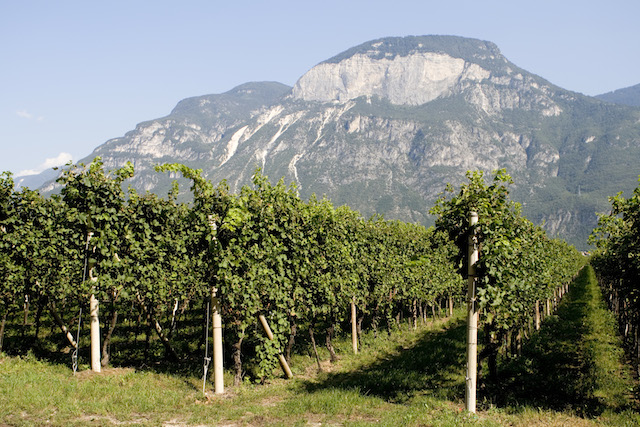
[[74, 355], [207, 359]]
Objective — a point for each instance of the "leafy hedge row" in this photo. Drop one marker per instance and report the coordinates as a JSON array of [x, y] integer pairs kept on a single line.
[[617, 264], [518, 266], [263, 249]]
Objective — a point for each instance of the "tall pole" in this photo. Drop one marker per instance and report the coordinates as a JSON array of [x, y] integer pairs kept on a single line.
[[218, 379], [472, 317], [218, 374], [93, 313], [95, 333], [354, 326]]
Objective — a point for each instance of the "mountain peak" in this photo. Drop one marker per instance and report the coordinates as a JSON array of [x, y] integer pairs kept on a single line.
[[471, 50], [405, 70]]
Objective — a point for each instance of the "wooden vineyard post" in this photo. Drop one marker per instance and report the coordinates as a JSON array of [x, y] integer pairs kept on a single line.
[[218, 374], [95, 334], [218, 364], [65, 330], [283, 361], [354, 327], [537, 314], [472, 317], [95, 320]]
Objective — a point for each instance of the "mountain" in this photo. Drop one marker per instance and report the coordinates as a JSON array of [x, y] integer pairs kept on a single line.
[[35, 180], [626, 96], [384, 126]]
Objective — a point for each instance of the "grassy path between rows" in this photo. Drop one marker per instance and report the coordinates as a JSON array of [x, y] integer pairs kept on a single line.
[[571, 373], [576, 362]]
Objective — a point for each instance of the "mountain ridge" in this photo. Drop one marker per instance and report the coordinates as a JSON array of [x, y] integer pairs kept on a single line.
[[364, 140], [624, 96], [456, 46]]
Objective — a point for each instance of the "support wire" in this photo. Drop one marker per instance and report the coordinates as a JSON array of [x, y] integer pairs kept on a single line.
[[207, 359]]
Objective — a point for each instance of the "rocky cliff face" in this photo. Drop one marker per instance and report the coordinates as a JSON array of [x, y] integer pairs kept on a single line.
[[419, 75], [384, 126], [409, 80]]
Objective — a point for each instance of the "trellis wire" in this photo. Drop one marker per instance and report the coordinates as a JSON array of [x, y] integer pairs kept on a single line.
[[74, 355]]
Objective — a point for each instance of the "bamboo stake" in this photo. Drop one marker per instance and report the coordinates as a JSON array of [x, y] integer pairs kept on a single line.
[[354, 327], [283, 361], [315, 348], [472, 319]]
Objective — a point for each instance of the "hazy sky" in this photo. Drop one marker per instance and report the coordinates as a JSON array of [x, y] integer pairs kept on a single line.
[[74, 74]]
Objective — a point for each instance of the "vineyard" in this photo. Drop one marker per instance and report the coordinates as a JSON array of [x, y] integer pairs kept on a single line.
[[617, 265], [152, 273]]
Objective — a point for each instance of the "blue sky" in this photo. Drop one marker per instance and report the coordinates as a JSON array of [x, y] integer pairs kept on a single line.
[[74, 74]]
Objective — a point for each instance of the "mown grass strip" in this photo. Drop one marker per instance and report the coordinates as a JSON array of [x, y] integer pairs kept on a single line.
[[576, 362], [612, 384], [410, 378]]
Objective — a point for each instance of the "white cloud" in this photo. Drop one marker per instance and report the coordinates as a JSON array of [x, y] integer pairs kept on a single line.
[[27, 115], [49, 163], [24, 114]]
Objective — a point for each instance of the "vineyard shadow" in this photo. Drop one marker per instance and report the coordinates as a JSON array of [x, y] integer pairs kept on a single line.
[[558, 366], [434, 366], [549, 373], [129, 349]]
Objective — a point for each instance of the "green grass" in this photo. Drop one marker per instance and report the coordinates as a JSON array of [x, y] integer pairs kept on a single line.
[[359, 390], [571, 373], [576, 362], [42, 392]]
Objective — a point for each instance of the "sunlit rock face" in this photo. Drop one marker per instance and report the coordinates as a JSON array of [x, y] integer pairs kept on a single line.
[[404, 80]]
